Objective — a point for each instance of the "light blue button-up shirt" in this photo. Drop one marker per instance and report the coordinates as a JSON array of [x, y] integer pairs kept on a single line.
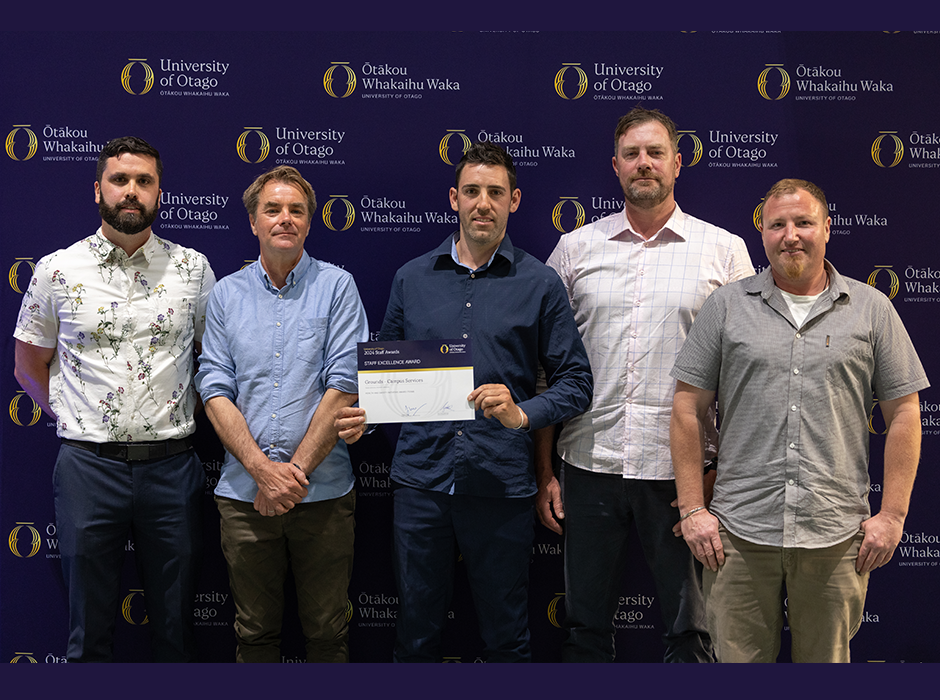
[[274, 353]]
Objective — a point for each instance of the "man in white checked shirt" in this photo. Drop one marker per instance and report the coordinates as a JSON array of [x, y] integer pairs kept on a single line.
[[636, 280]]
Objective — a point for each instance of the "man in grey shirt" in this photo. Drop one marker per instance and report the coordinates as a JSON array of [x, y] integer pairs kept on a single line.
[[794, 355]]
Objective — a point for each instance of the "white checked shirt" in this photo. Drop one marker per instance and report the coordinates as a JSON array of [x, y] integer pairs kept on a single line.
[[634, 301]]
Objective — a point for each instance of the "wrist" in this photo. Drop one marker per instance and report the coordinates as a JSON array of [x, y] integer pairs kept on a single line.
[[691, 511]]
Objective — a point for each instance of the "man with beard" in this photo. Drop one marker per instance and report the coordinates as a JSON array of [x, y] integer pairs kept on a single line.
[[105, 345], [635, 280], [794, 355]]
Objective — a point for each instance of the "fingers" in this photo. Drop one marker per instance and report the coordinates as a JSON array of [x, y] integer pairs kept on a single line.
[[350, 424]]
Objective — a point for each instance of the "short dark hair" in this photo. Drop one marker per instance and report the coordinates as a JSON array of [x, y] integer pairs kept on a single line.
[[790, 185], [640, 115], [488, 153], [128, 144], [282, 173]]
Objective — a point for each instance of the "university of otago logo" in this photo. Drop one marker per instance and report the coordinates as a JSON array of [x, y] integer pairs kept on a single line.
[[34, 416], [31, 146], [553, 609], [576, 72], [346, 222], [877, 152], [349, 610], [895, 283], [762, 86], [697, 149], [24, 656], [241, 146], [758, 217], [578, 212], [444, 349], [130, 612], [126, 76], [24, 540], [872, 428], [14, 273], [332, 80], [444, 146]]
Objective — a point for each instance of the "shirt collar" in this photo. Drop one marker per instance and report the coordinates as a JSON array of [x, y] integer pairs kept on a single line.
[[449, 248], [763, 283], [675, 224], [303, 266], [105, 249]]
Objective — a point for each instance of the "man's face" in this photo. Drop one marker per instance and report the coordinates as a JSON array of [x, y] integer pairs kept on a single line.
[[646, 165], [795, 233], [483, 202], [128, 195], [282, 221]]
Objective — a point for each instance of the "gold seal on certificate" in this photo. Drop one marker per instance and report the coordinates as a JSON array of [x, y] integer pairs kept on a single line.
[[413, 381]]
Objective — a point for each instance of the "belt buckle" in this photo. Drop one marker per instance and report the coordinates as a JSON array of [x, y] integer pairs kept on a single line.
[[137, 453]]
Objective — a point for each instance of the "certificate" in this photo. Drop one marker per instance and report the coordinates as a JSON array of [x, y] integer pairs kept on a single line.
[[413, 381]]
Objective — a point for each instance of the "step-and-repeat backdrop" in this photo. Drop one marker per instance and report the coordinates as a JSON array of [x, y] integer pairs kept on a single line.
[[376, 122]]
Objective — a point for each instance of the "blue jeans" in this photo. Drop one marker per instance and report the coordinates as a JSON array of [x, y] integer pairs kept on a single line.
[[600, 510], [98, 502], [495, 536]]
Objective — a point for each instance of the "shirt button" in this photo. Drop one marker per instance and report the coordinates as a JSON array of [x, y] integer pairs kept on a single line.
[[276, 385], [278, 324], [636, 303], [792, 445], [790, 482], [472, 276], [464, 335], [280, 296], [277, 354], [271, 445], [798, 335], [793, 408], [796, 371], [459, 432], [468, 304], [274, 415]]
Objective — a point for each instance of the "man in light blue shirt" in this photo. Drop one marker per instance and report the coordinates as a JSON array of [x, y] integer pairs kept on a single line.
[[279, 359]]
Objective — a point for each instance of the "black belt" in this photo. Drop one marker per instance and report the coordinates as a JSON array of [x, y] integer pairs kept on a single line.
[[134, 451]]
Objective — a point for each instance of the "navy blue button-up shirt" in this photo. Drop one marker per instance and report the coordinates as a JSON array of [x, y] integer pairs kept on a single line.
[[516, 312]]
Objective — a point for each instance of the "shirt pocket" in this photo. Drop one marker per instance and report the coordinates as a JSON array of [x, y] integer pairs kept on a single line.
[[850, 363], [311, 339]]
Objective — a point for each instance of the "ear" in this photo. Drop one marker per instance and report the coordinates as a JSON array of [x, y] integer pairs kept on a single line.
[[251, 222], [453, 198], [514, 201], [97, 192]]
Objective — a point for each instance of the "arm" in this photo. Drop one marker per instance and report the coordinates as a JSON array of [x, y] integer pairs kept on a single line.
[[32, 372], [280, 484], [686, 437], [317, 443], [902, 453], [548, 503]]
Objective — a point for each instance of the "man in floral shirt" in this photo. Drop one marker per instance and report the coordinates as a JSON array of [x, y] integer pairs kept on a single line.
[[105, 344]]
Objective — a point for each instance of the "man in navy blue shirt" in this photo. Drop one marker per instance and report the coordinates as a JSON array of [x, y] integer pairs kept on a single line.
[[469, 485]]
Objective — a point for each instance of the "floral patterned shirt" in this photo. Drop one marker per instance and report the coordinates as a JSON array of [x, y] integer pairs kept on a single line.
[[123, 328]]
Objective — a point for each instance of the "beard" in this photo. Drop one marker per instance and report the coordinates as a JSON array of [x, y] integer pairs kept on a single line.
[[646, 197], [127, 222]]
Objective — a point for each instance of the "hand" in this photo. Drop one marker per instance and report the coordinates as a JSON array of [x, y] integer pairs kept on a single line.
[[547, 500], [700, 531], [708, 486], [350, 423], [496, 402], [281, 486], [882, 534], [267, 507]]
